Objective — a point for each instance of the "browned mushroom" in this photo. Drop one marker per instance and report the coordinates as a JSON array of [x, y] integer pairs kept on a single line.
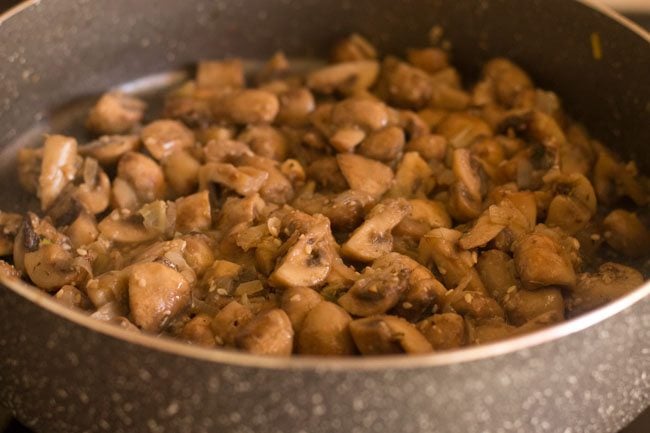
[[157, 293], [193, 213], [346, 77], [269, 333], [374, 239], [9, 225], [227, 322], [108, 149], [626, 234], [249, 106], [351, 48], [265, 141], [245, 180], [522, 306], [297, 302], [383, 145], [611, 281], [573, 205], [324, 331], [161, 138], [212, 74], [413, 178], [384, 335], [197, 331], [58, 168], [115, 113], [444, 331], [139, 180]]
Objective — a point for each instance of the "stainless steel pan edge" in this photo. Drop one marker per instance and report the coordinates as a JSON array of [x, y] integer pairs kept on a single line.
[[60, 373]]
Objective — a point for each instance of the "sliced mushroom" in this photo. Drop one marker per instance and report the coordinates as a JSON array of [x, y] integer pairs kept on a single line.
[[456, 266], [265, 141], [444, 331], [466, 194], [269, 333], [198, 252], [462, 130], [541, 261], [374, 239], [325, 331], [249, 106], [157, 293], [352, 48], [384, 144], [244, 180], [384, 335], [139, 180], [345, 210], [193, 213], [126, 228], [365, 174], [108, 149], [573, 205], [161, 138], [58, 168], [115, 113], [52, 266], [212, 74], [425, 215], [404, 85], [610, 282], [9, 226], [498, 273], [297, 302], [522, 306], [413, 178], [346, 77], [308, 259], [626, 234]]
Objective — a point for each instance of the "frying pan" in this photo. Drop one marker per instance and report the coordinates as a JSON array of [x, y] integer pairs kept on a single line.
[[61, 371]]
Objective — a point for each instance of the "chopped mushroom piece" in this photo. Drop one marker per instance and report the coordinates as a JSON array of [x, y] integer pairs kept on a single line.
[[161, 138], [139, 180], [346, 77], [193, 213], [385, 335], [270, 333], [115, 113], [181, 172], [297, 302], [611, 281], [522, 306], [157, 293], [413, 178], [374, 239], [265, 141], [58, 167], [248, 106], [383, 145], [9, 225], [444, 331], [325, 331], [52, 266], [123, 228], [365, 174], [245, 180], [625, 233], [108, 149], [197, 331], [354, 47], [228, 321], [220, 74]]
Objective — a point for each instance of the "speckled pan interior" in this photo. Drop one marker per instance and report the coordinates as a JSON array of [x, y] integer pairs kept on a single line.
[[59, 374]]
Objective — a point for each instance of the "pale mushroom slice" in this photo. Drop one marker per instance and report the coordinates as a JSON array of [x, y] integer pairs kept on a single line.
[[374, 239], [125, 227], [385, 335], [108, 149], [244, 180], [269, 333], [609, 282], [58, 168], [115, 113], [157, 293], [364, 174], [345, 77]]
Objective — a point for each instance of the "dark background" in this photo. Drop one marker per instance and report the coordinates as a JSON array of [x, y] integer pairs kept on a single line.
[[640, 425]]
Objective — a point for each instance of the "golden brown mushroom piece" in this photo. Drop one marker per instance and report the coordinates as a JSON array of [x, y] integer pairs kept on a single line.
[[248, 106], [269, 333], [9, 225], [139, 180], [456, 266], [324, 331], [227, 322], [213, 74], [346, 77], [157, 293], [444, 331], [161, 138], [115, 113], [295, 107], [574, 203], [108, 149], [365, 174], [181, 172], [308, 257], [58, 168], [404, 85], [374, 239], [266, 141], [351, 48], [611, 281], [385, 335], [522, 306], [626, 234], [467, 192], [345, 210], [413, 177], [542, 260], [297, 302], [244, 180], [384, 145], [197, 331], [193, 213], [126, 228]]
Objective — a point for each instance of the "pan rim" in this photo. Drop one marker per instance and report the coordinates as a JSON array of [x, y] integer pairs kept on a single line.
[[395, 362]]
